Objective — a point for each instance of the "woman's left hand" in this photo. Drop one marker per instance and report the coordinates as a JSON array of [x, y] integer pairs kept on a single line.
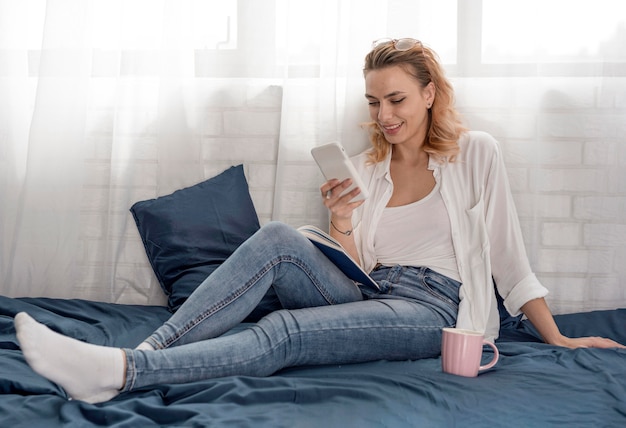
[[588, 342], [540, 316]]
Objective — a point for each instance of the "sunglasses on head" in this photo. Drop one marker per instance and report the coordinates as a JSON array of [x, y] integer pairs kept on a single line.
[[399, 44]]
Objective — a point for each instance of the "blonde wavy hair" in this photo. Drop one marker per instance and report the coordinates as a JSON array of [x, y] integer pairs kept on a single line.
[[422, 63]]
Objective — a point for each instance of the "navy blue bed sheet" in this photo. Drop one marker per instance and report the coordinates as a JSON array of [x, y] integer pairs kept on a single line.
[[533, 384]]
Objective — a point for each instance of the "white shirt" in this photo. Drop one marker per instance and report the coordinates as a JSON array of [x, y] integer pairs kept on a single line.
[[486, 234]]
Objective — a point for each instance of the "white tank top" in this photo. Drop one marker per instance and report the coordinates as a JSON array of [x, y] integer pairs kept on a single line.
[[417, 234]]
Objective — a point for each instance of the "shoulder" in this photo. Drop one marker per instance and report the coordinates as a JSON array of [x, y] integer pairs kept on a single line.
[[478, 146], [478, 142]]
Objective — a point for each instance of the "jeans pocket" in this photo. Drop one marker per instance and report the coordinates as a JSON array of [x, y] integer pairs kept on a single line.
[[443, 288]]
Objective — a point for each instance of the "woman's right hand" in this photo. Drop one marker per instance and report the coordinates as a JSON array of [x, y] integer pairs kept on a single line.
[[341, 210], [340, 207]]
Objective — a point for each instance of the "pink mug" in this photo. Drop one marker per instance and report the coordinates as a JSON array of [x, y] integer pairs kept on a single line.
[[461, 352]]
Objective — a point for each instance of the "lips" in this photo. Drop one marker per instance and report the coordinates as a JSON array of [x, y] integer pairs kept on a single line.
[[391, 129]]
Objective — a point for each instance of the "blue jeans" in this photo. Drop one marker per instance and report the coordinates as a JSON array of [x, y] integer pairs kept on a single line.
[[323, 317]]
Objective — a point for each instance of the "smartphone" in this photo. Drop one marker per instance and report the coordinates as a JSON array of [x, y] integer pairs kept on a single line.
[[334, 163]]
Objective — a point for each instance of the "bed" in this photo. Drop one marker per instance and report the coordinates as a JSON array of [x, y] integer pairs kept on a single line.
[[186, 236], [532, 385]]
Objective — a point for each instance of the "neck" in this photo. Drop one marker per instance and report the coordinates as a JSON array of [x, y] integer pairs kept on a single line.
[[409, 155]]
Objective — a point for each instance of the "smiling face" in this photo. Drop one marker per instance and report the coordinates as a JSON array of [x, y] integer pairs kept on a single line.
[[398, 104]]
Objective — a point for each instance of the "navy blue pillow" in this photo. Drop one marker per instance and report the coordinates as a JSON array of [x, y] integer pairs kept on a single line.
[[189, 233]]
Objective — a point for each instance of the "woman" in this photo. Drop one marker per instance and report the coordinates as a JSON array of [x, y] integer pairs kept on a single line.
[[439, 224]]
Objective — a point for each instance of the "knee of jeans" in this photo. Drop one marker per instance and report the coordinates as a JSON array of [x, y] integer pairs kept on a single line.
[[277, 326], [280, 233]]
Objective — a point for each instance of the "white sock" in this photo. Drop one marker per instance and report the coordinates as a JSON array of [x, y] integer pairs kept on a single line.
[[87, 372], [144, 346]]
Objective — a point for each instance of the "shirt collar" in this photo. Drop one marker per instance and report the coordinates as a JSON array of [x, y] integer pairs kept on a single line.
[[382, 168]]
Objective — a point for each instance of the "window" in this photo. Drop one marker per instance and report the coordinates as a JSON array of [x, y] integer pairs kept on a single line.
[[555, 31], [537, 37]]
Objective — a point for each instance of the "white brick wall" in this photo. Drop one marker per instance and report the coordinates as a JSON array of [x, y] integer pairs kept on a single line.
[[228, 123], [564, 145]]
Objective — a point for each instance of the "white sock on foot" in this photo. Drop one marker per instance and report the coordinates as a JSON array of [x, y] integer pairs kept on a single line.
[[87, 372], [144, 346]]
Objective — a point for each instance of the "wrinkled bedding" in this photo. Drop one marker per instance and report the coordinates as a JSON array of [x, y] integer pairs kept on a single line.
[[532, 385]]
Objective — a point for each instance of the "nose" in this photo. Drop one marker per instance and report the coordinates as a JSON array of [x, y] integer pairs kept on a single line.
[[384, 112]]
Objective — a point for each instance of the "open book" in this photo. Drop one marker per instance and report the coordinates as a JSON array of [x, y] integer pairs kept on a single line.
[[335, 252]]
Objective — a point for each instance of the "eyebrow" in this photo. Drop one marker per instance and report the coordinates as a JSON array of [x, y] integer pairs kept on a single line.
[[390, 95]]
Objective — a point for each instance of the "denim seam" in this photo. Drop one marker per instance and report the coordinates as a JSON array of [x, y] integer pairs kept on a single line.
[[131, 370], [310, 274]]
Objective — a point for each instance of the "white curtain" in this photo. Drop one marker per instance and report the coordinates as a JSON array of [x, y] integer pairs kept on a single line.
[[104, 103]]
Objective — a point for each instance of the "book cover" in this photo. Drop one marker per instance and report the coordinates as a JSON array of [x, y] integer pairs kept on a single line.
[[336, 253]]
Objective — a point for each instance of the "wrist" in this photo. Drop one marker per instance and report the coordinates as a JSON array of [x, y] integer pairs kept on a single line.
[[347, 231], [341, 222], [557, 340]]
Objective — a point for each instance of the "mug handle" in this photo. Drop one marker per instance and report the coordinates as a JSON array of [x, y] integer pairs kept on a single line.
[[494, 360]]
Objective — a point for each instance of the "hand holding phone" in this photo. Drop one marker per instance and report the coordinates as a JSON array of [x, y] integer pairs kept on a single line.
[[334, 163]]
